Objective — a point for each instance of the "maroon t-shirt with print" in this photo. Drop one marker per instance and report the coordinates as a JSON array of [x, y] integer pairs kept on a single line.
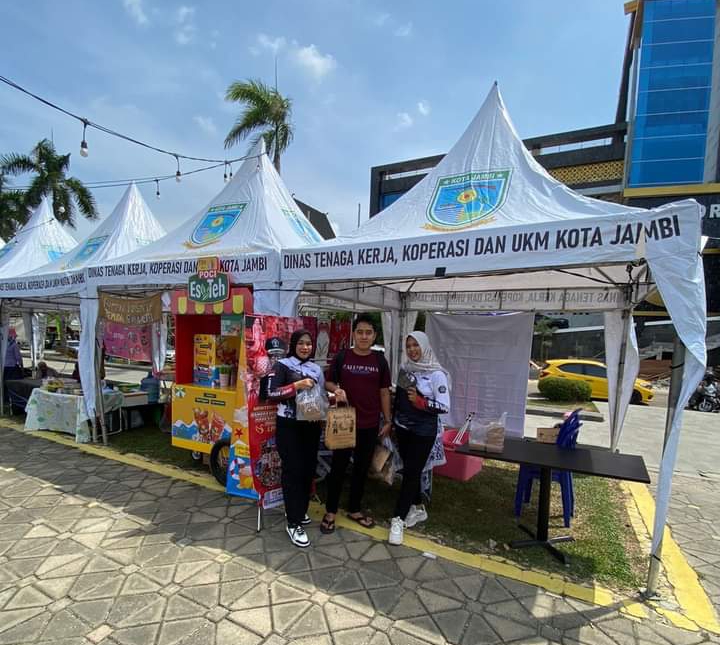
[[362, 377]]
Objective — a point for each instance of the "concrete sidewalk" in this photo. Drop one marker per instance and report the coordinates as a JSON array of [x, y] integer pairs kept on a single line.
[[95, 551]]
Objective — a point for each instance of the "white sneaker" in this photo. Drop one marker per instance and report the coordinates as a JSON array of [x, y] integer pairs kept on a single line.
[[298, 536], [415, 515], [397, 527]]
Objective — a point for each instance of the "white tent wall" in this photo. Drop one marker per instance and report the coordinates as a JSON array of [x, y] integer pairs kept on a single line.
[[27, 318], [89, 307], [623, 364], [395, 327]]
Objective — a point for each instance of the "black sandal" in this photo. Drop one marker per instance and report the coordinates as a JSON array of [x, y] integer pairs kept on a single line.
[[327, 525], [363, 520]]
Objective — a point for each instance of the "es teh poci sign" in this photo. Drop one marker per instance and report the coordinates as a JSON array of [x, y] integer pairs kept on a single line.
[[208, 285]]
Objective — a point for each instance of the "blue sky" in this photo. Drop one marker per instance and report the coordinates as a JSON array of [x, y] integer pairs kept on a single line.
[[371, 83]]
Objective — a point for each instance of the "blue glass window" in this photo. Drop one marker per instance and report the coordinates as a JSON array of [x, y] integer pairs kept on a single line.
[[676, 54], [679, 76], [658, 125], [657, 173], [389, 198], [673, 92], [667, 9], [692, 147], [674, 31], [664, 101]]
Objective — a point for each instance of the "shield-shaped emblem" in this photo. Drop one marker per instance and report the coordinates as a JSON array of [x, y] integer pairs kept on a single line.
[[464, 200], [217, 221], [302, 226], [87, 251]]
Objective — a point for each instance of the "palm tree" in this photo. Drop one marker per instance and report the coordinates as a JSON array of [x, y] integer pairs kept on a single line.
[[267, 114], [13, 213], [50, 179]]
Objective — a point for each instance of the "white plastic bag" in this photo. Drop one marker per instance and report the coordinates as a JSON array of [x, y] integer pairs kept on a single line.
[[312, 404], [488, 434]]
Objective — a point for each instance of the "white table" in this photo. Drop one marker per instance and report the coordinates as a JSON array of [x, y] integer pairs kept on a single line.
[[64, 412]]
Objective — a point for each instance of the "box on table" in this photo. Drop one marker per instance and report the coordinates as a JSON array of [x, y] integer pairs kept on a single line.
[[547, 435]]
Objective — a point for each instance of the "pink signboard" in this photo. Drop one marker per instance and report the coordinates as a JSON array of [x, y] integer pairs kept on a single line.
[[133, 343]]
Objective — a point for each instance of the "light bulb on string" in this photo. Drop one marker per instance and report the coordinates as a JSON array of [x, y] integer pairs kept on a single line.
[[157, 189], [225, 176], [230, 170], [83, 144], [178, 174]]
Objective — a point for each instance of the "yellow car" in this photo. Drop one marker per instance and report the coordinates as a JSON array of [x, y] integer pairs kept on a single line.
[[595, 374]]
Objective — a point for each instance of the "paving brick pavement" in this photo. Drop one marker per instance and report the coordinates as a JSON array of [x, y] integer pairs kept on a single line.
[[93, 551], [694, 518]]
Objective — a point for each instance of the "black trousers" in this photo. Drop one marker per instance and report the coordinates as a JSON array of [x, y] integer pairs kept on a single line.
[[297, 443], [365, 440], [414, 450]]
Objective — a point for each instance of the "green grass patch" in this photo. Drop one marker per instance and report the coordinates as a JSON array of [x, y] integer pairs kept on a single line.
[[477, 516], [152, 443]]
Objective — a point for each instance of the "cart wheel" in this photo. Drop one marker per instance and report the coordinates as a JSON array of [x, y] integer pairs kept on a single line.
[[197, 456], [219, 457]]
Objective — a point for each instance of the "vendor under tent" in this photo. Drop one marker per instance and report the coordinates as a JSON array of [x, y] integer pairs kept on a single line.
[[488, 229], [60, 285], [244, 227]]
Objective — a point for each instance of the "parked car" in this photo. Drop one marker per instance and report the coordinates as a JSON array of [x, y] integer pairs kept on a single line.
[[595, 374]]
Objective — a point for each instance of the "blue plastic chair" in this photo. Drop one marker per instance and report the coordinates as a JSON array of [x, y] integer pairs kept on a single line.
[[567, 438]]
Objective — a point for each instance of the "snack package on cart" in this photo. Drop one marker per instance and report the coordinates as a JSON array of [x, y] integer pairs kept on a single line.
[[488, 434]]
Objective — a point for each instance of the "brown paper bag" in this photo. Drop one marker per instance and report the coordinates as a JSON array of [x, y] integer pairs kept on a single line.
[[340, 428], [380, 456]]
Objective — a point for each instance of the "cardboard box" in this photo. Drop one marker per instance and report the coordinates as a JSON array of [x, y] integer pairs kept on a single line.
[[547, 435]]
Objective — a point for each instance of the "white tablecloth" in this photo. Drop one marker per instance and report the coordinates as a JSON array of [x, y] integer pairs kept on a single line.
[[64, 412]]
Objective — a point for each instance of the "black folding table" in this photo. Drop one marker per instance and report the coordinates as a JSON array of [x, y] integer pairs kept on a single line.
[[585, 460]]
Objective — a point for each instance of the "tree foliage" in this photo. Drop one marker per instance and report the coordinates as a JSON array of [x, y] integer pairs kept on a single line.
[[67, 194], [266, 115]]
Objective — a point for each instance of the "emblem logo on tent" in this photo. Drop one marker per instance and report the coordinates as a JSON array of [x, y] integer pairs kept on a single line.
[[302, 226], [217, 221], [461, 201], [87, 251], [53, 253]]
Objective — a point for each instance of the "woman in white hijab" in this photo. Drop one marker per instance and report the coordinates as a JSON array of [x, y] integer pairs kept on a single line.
[[423, 394]]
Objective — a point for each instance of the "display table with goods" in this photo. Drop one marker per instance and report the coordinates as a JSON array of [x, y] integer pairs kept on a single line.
[[63, 411], [585, 460]]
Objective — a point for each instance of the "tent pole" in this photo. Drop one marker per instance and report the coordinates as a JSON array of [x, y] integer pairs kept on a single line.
[[676, 375], [620, 378]]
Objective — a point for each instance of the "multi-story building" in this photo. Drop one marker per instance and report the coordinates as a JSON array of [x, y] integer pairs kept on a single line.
[[664, 143]]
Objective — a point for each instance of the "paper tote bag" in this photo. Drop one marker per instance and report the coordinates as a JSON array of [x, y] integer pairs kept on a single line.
[[340, 428]]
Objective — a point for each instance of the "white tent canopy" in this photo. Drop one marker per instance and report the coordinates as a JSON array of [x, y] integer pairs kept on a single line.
[[245, 225], [130, 226], [489, 229], [41, 240]]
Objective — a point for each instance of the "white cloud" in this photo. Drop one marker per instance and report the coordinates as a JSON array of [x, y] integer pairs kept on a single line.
[[206, 124], [423, 107], [312, 61], [135, 9], [273, 44], [186, 30], [381, 19], [404, 120], [403, 31]]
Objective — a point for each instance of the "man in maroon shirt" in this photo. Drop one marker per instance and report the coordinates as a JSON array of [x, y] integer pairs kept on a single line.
[[361, 377]]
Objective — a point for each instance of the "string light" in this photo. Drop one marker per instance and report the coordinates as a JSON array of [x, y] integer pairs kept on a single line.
[[157, 189], [225, 176], [230, 164], [83, 144], [178, 174]]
